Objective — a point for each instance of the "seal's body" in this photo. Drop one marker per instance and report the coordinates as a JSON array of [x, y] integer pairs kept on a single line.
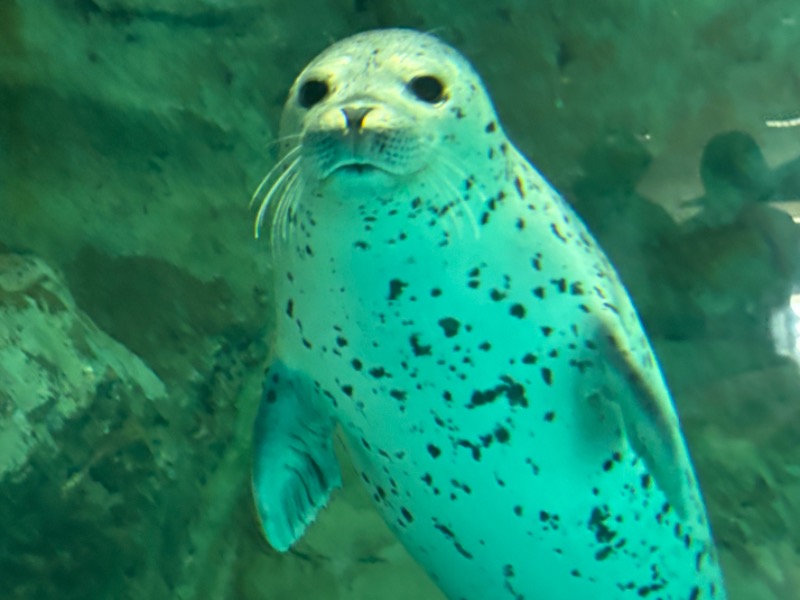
[[444, 305]]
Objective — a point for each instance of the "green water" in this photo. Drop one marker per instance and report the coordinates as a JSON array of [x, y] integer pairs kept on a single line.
[[135, 304]]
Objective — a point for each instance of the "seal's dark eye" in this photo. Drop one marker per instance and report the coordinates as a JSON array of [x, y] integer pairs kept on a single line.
[[311, 92], [427, 88]]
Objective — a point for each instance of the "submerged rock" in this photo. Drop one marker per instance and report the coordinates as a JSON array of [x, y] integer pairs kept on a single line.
[[79, 421], [114, 483], [55, 365]]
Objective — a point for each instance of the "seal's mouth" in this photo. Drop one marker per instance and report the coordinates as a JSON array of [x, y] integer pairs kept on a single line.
[[355, 168]]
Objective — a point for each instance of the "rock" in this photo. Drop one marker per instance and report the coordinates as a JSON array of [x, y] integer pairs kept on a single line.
[[112, 485], [55, 365], [80, 417]]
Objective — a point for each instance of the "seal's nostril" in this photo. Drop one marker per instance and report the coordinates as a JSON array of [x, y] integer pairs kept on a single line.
[[354, 116]]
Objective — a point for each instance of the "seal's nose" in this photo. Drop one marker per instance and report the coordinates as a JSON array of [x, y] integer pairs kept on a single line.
[[354, 116]]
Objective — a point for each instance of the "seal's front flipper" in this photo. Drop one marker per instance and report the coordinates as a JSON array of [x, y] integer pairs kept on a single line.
[[294, 467], [649, 419]]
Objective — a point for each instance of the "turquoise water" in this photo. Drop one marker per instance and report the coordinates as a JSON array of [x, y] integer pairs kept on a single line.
[[135, 305]]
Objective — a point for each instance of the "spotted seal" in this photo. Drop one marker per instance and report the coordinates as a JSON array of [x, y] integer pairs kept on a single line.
[[444, 305]]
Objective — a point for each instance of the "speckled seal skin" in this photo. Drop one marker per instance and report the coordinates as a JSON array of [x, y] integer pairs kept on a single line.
[[442, 303]]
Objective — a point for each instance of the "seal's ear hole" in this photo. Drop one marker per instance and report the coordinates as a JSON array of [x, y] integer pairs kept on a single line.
[[311, 92], [427, 88]]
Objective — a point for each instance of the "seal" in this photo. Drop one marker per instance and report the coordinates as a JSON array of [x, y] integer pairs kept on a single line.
[[438, 300]]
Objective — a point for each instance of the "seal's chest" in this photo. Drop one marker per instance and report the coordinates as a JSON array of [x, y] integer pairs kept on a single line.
[[424, 340], [394, 320]]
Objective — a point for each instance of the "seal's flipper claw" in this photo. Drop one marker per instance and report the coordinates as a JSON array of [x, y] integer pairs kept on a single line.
[[294, 466], [650, 421]]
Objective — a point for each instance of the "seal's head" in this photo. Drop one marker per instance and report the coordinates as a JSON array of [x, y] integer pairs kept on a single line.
[[377, 106], [374, 113]]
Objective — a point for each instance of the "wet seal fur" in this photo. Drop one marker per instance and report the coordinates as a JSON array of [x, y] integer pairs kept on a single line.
[[444, 305]]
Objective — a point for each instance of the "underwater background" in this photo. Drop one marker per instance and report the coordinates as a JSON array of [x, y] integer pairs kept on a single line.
[[135, 306]]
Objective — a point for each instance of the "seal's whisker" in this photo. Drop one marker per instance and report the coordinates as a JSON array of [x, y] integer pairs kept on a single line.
[[464, 207], [265, 204], [450, 205], [285, 209], [291, 211], [441, 189], [280, 213], [294, 192], [290, 155], [280, 140]]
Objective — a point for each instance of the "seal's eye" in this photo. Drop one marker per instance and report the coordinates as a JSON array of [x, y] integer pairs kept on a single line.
[[311, 92], [427, 88]]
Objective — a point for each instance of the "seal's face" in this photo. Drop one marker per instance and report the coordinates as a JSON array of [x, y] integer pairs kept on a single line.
[[375, 109], [384, 115]]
